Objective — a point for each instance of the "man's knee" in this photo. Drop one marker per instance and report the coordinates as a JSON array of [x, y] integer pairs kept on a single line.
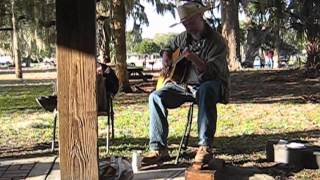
[[210, 89], [154, 97]]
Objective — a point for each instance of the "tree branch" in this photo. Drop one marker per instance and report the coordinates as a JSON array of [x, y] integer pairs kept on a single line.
[[6, 29]]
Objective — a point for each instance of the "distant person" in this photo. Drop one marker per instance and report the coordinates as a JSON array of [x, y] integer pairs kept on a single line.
[[269, 59], [207, 83], [144, 64], [257, 62]]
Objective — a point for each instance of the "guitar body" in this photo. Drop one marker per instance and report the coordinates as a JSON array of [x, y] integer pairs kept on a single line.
[[160, 82], [178, 71]]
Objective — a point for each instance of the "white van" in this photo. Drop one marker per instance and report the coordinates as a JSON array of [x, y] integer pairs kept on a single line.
[[135, 60], [5, 61]]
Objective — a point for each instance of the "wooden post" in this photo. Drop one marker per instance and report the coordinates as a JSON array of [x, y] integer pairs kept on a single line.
[[191, 174], [76, 54]]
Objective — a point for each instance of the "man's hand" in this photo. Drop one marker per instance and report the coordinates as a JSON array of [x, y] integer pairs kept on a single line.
[[166, 62], [195, 59], [166, 59], [189, 55]]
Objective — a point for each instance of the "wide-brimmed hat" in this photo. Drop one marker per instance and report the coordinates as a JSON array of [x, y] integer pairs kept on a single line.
[[187, 9]]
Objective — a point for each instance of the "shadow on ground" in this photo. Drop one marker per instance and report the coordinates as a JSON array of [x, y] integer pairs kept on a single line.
[[289, 86], [244, 145], [263, 86]]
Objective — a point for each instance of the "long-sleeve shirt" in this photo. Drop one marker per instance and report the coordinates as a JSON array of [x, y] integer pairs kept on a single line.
[[212, 49]]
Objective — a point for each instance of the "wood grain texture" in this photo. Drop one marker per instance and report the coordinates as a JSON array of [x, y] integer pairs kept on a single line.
[[192, 174], [76, 54]]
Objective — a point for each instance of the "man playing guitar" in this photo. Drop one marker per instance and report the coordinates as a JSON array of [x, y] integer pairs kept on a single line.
[[207, 75]]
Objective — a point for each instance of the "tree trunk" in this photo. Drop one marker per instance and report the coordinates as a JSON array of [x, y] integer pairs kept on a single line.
[[15, 46], [230, 31], [276, 56], [277, 26], [255, 38], [103, 40], [103, 32], [277, 42], [119, 24]]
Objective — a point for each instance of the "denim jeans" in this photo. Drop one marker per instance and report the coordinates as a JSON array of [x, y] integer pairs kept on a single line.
[[207, 95]]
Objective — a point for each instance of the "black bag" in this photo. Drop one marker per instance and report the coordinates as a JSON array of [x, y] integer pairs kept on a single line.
[[111, 80], [107, 88]]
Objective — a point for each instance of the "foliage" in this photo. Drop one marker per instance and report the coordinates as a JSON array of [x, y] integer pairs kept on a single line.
[[135, 11], [297, 21], [242, 32], [304, 18], [131, 42], [147, 46], [267, 13], [162, 39], [36, 32]]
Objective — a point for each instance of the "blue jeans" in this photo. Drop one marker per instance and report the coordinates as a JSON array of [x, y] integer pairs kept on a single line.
[[172, 96]]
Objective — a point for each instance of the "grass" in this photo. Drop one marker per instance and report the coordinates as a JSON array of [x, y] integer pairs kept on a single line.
[[23, 122], [21, 98], [243, 128]]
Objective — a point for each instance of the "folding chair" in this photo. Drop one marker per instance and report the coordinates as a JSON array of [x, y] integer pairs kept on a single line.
[[49, 103]]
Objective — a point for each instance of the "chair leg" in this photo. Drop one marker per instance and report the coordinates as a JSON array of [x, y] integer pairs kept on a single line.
[[112, 118], [109, 123], [55, 116], [108, 128], [108, 135], [190, 113], [184, 140]]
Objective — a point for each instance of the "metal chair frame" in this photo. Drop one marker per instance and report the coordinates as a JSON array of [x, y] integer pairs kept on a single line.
[[185, 138], [110, 123]]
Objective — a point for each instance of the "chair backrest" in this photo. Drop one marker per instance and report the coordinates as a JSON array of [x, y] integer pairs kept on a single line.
[[107, 88]]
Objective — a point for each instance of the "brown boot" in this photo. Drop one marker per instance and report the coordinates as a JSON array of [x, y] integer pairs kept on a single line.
[[204, 155], [154, 157]]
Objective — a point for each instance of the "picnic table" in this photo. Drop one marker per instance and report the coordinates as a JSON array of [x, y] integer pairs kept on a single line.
[[137, 73]]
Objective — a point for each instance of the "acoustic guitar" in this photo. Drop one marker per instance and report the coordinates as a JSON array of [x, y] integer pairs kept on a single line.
[[178, 71]]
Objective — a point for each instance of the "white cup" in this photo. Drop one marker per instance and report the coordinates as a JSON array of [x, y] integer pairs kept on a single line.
[[136, 160]]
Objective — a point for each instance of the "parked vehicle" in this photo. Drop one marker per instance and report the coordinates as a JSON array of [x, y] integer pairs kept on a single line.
[[5, 61], [135, 60]]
